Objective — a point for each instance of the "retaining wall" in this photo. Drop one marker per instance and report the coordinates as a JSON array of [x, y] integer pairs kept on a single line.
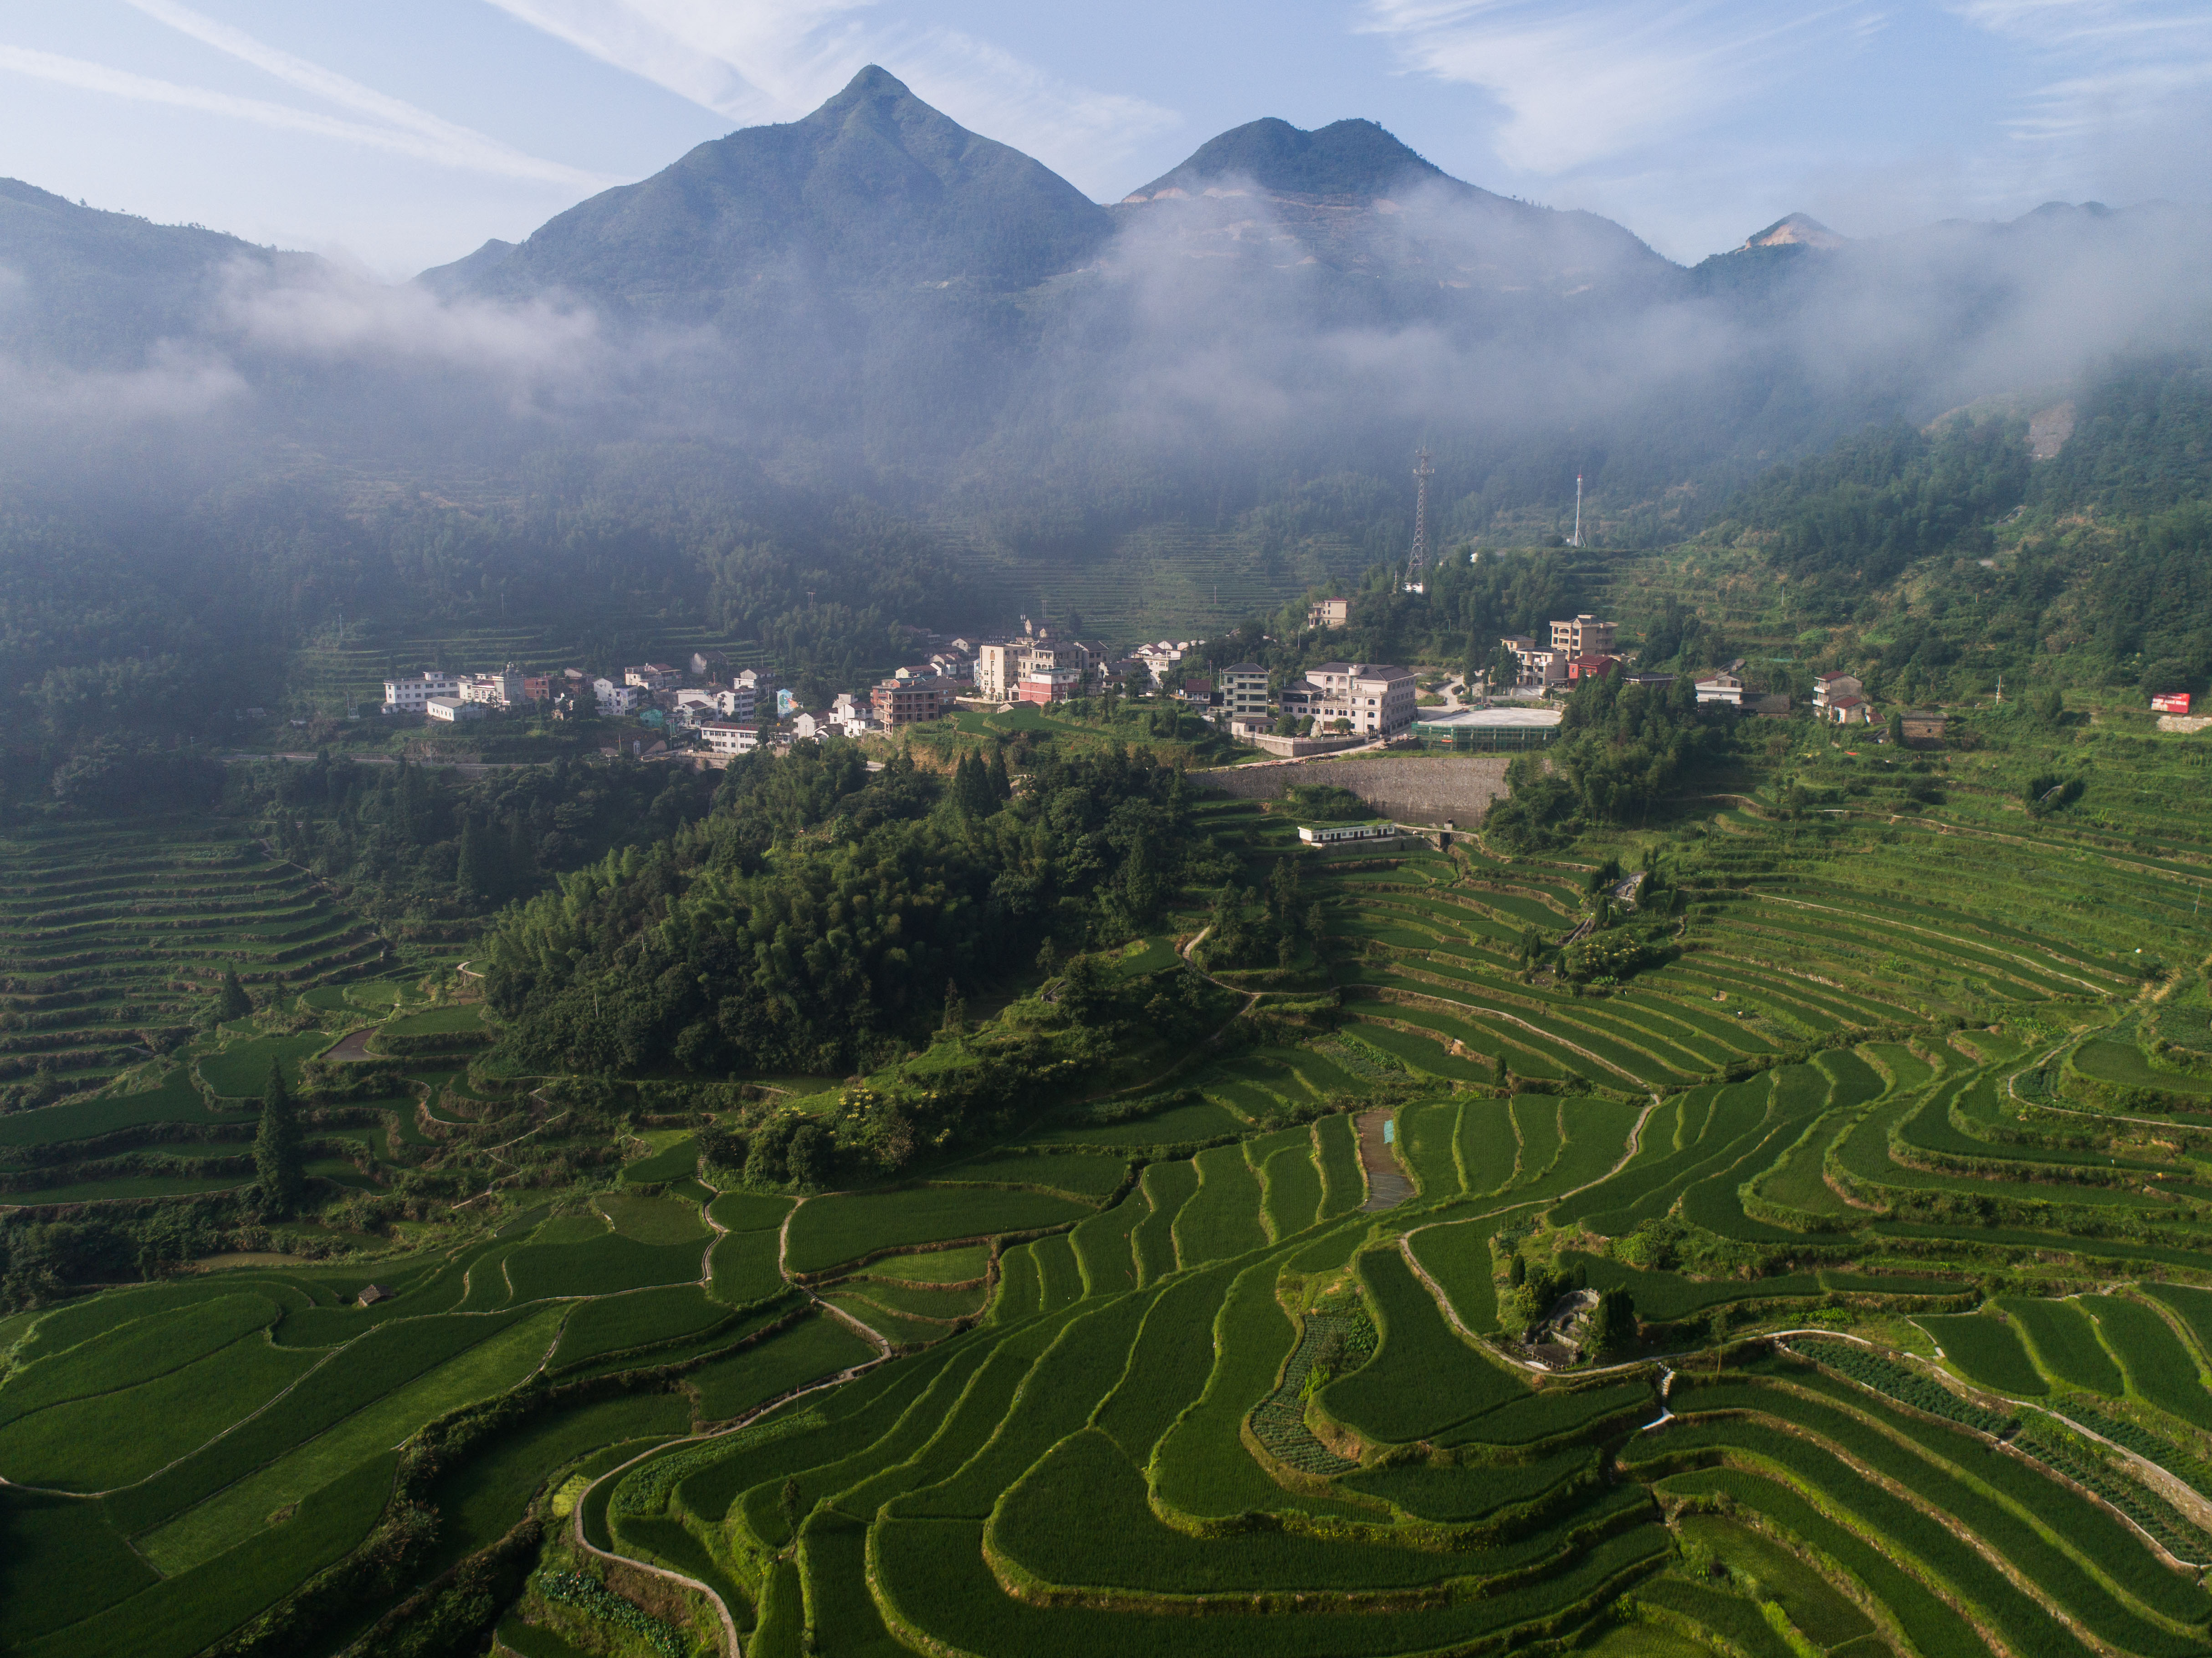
[[1415, 788]]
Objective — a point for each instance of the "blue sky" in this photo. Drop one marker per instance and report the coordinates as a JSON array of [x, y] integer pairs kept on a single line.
[[401, 134]]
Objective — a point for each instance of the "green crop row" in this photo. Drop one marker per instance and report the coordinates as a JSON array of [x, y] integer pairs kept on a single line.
[[1548, 1416], [1987, 1352], [109, 1440], [808, 1351], [138, 1352], [828, 1231], [2004, 1525], [1221, 1218], [642, 1318], [1064, 1383], [2159, 1368], [190, 1610], [1460, 1494], [1908, 1387], [2087, 1530], [2183, 1540], [1935, 1545], [1931, 1624], [1079, 1517], [1168, 1364], [1423, 1378], [885, 1417], [936, 1588], [2065, 1343], [603, 1265], [1457, 1257], [375, 1364]]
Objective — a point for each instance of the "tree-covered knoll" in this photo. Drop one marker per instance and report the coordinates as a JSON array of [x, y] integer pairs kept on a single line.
[[1929, 561], [2142, 441], [1622, 748], [1852, 519], [406, 840], [150, 624], [1468, 603], [814, 919]]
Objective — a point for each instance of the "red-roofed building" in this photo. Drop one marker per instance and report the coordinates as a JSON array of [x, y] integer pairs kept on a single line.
[[1589, 667]]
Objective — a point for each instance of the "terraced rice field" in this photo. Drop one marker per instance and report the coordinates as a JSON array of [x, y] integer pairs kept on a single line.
[[1195, 1379], [107, 934]]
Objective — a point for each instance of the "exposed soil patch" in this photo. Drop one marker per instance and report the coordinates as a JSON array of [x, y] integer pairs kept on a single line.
[[1387, 1185]]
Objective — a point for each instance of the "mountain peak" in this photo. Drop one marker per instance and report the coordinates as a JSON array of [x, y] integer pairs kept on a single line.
[[1345, 158], [874, 190], [1793, 230]]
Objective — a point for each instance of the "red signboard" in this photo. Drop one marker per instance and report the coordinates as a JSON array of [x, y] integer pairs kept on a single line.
[[2172, 703]]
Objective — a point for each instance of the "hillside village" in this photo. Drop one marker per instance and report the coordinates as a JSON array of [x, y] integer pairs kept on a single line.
[[704, 713]]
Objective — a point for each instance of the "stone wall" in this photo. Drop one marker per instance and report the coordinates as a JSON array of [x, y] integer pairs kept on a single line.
[[1428, 789]]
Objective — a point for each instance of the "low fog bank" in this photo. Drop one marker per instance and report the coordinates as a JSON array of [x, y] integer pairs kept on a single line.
[[1216, 348]]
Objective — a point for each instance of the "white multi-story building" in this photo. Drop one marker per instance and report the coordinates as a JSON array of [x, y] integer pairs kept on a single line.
[[495, 690], [618, 698], [1721, 688], [1002, 665], [692, 707], [408, 695], [1243, 687], [730, 736], [1585, 636], [1161, 656], [654, 676], [1539, 666], [1373, 698], [999, 668]]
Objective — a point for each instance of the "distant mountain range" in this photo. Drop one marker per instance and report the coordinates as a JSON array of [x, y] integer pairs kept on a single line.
[[873, 293]]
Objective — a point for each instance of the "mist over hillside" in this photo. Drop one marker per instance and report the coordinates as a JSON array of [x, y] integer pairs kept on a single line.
[[868, 368], [875, 300]]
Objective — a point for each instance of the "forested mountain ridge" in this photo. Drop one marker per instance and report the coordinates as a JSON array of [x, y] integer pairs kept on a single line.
[[86, 288], [874, 189], [1353, 199], [215, 453], [875, 295]]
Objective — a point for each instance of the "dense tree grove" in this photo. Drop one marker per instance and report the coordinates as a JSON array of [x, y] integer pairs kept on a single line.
[[408, 841], [812, 921], [1465, 605], [1849, 520], [2090, 567], [1622, 747]]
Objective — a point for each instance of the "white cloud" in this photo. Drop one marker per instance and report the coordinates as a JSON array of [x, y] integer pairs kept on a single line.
[[776, 60], [405, 132], [322, 313], [2113, 63], [463, 146], [1582, 81]]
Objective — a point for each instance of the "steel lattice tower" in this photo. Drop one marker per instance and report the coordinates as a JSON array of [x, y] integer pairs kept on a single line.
[[1422, 473]]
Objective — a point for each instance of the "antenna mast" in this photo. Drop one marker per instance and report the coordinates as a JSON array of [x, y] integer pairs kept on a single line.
[[1422, 473], [1576, 540]]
